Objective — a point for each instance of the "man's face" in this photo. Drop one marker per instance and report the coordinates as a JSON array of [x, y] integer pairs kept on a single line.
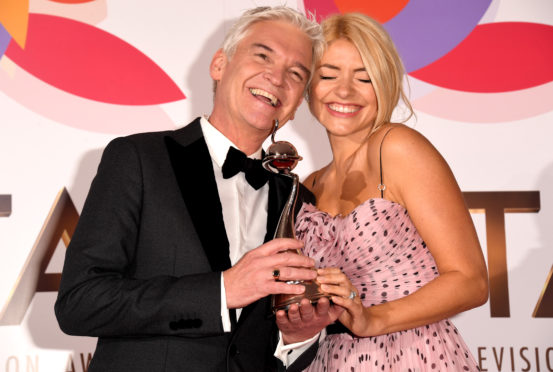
[[264, 80]]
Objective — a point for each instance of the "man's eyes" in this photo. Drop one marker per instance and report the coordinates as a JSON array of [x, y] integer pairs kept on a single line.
[[298, 76], [263, 56]]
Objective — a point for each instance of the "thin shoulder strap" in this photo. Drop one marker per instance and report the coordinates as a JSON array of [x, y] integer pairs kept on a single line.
[[382, 186]]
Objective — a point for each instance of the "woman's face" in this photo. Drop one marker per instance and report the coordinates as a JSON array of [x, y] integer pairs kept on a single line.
[[342, 95]]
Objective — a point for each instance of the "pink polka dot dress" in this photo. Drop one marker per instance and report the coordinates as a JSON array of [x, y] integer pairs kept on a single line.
[[379, 249]]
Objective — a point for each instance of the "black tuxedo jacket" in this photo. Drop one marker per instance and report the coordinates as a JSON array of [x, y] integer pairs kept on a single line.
[[142, 272]]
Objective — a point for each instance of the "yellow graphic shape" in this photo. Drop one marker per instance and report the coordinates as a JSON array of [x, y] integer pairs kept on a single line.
[[14, 16]]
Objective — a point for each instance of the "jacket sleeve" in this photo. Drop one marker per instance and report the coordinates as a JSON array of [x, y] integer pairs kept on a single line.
[[305, 359], [99, 293]]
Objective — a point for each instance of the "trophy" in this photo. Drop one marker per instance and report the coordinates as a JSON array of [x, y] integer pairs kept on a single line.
[[281, 158]]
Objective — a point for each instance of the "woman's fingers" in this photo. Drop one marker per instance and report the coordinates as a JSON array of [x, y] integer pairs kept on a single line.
[[335, 282]]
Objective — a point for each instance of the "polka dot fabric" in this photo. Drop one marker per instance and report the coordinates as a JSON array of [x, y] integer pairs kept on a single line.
[[381, 252]]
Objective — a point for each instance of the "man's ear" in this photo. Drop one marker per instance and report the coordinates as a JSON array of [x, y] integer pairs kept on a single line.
[[217, 66]]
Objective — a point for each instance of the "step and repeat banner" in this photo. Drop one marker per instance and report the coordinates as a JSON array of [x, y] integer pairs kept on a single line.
[[74, 74]]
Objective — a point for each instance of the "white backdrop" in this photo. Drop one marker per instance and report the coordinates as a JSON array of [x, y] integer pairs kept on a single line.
[[51, 139]]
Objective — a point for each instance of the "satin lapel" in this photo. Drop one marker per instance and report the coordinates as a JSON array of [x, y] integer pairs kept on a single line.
[[194, 172]]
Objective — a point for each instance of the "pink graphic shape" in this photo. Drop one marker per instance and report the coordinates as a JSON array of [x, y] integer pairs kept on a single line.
[[91, 63], [72, 1], [495, 57], [81, 113], [487, 107], [321, 8]]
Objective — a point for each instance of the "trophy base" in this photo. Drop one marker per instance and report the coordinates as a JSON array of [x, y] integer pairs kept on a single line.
[[312, 292]]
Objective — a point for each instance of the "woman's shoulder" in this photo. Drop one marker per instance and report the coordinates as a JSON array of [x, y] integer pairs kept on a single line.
[[400, 142], [397, 132], [408, 160]]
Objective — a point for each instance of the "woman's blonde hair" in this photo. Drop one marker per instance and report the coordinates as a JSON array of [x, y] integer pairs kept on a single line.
[[379, 56]]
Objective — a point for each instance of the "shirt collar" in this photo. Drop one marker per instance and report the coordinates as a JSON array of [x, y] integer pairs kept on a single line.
[[218, 144]]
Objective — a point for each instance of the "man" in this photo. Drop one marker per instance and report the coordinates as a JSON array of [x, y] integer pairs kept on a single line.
[[168, 250]]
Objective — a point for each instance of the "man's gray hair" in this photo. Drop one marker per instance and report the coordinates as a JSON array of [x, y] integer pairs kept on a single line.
[[278, 13], [307, 24]]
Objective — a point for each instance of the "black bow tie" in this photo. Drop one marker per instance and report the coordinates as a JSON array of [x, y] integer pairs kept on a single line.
[[237, 161]]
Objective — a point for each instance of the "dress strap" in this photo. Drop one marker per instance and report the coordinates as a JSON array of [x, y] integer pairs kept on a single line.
[[381, 187]]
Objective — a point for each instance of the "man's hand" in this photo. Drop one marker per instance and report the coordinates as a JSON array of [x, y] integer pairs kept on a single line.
[[252, 277], [305, 321]]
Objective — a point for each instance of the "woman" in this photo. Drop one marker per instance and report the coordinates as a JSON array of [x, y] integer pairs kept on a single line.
[[389, 216]]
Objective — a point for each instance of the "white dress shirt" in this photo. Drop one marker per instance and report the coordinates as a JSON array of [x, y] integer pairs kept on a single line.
[[245, 219], [244, 208]]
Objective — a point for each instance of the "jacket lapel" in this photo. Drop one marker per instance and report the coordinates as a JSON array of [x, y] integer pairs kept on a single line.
[[193, 169], [194, 172]]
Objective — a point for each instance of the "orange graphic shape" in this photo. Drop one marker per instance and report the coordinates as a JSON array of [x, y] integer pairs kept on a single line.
[[381, 10], [14, 16]]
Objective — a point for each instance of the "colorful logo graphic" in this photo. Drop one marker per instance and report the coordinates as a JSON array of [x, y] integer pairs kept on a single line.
[[80, 59], [489, 72]]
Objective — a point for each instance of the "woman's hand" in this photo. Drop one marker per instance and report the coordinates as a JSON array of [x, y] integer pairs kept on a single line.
[[335, 283]]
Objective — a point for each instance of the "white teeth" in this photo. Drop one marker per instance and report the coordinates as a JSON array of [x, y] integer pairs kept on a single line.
[[343, 108], [260, 92]]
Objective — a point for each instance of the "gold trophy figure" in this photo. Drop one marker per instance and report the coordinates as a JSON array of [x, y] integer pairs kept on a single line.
[[281, 158]]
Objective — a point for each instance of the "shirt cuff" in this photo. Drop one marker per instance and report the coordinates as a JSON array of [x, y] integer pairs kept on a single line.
[[289, 353], [225, 316]]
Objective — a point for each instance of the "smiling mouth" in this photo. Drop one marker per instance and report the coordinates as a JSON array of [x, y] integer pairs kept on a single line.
[[347, 109], [268, 97]]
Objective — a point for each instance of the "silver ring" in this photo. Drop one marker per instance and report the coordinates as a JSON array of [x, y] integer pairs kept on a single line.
[[352, 295], [276, 274]]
